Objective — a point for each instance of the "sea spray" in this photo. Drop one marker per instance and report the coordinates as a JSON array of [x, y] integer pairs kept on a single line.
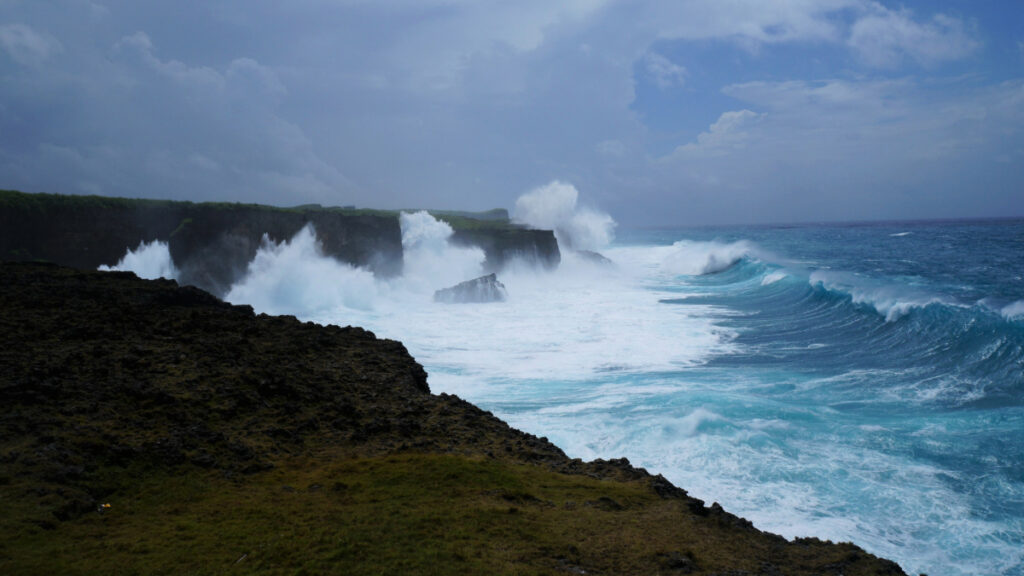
[[431, 261], [696, 258], [150, 260], [295, 277], [555, 207]]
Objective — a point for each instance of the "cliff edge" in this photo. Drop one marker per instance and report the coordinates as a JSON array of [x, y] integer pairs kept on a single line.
[[213, 243], [150, 428]]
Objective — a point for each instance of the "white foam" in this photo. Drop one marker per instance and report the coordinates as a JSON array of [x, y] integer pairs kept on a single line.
[[773, 277], [431, 262], [294, 277], [892, 302], [150, 260], [800, 473], [578, 321], [1014, 311], [697, 258]]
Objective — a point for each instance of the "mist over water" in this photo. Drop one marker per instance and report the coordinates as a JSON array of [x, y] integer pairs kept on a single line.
[[865, 386]]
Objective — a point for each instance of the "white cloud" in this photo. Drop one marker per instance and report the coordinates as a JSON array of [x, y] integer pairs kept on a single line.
[[885, 38], [752, 22], [852, 149], [664, 72], [728, 133], [26, 46]]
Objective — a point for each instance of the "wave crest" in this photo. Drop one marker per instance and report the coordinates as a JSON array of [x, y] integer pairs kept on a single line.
[[891, 302], [1014, 311], [698, 258]]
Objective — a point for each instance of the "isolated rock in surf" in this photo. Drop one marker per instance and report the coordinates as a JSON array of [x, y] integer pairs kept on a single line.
[[482, 289], [594, 257]]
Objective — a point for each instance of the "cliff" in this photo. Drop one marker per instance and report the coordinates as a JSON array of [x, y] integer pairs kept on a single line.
[[212, 243], [504, 243], [149, 428]]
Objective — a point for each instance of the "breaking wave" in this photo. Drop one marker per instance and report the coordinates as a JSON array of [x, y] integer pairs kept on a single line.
[[295, 277], [150, 260], [697, 258], [555, 207]]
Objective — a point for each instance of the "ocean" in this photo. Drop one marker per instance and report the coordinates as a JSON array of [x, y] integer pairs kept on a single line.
[[853, 382]]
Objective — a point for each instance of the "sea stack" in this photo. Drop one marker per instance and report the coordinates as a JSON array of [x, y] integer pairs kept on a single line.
[[483, 289]]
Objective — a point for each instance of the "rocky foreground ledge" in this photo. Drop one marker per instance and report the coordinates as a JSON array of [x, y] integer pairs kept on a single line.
[[154, 429]]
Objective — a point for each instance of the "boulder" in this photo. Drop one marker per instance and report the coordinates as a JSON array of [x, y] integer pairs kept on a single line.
[[482, 289], [594, 257]]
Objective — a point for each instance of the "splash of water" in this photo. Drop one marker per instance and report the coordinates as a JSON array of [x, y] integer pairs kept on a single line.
[[554, 206], [295, 277], [431, 261], [150, 260], [697, 258]]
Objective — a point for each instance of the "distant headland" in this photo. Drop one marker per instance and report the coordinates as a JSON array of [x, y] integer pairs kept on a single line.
[[211, 243]]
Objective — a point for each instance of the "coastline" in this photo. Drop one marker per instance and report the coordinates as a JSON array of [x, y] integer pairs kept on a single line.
[[200, 392]]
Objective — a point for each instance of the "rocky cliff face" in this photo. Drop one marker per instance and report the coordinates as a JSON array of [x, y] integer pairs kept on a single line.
[[504, 244], [82, 232], [212, 243]]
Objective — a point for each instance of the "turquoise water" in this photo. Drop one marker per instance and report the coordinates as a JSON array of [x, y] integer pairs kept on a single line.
[[858, 383], [872, 389]]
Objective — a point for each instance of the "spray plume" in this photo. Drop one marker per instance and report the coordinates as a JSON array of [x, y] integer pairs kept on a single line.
[[554, 207]]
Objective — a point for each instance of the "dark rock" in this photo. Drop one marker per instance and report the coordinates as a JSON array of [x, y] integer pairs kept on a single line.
[[503, 244], [211, 244], [594, 257], [482, 289]]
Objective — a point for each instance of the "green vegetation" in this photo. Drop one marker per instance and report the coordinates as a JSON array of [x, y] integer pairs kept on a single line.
[[398, 514], [11, 199], [42, 203]]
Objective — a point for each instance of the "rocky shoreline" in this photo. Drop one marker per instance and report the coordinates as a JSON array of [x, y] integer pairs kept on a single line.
[[212, 243], [110, 382]]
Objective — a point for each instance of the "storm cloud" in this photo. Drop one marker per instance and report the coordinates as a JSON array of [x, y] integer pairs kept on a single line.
[[683, 112]]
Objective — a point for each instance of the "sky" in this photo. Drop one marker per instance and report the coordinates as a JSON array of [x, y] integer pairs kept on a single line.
[[658, 112]]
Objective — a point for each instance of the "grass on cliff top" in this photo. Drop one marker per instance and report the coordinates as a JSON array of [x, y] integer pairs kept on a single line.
[[401, 514], [406, 514], [42, 202]]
